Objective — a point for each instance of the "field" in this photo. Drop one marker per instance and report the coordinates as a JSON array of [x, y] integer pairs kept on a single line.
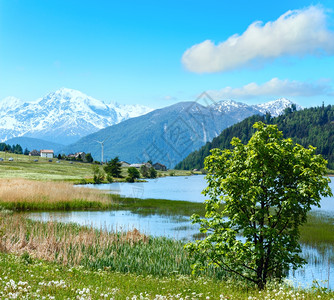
[[58, 261], [76, 172], [25, 167], [22, 277]]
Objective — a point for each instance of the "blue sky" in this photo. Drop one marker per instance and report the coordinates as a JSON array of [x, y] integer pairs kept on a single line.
[[157, 53]]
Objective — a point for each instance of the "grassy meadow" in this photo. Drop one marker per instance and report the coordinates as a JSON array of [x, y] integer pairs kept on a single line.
[[59, 261], [77, 172], [23, 277], [25, 167]]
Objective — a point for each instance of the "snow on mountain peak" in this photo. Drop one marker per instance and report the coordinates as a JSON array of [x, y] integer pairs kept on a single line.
[[62, 116], [10, 103], [275, 107]]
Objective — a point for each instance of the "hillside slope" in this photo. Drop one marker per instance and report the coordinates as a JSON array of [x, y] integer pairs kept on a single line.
[[312, 126]]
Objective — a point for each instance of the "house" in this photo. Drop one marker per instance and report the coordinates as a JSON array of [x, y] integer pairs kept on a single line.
[[124, 164], [34, 153], [82, 155], [160, 167], [47, 153], [136, 165]]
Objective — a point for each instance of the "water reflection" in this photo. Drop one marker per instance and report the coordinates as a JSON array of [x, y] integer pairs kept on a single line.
[[175, 227]]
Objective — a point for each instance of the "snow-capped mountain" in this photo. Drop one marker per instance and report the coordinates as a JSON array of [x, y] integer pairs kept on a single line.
[[276, 107], [67, 115], [227, 106], [63, 116], [9, 103]]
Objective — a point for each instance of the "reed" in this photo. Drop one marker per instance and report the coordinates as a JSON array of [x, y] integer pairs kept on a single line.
[[70, 244], [23, 194], [318, 230], [159, 206]]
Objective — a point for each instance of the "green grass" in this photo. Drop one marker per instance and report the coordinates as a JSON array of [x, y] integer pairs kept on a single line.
[[71, 205], [159, 206], [318, 230], [24, 167], [28, 278]]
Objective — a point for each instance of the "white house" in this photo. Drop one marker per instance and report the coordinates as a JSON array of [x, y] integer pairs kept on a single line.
[[47, 153]]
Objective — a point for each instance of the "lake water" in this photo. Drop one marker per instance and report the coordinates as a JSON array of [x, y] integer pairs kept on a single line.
[[185, 188], [320, 266]]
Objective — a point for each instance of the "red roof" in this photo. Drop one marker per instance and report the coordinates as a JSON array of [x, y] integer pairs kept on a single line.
[[46, 151]]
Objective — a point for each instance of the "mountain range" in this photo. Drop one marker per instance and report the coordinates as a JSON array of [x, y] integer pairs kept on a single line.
[[169, 134], [132, 132], [63, 116]]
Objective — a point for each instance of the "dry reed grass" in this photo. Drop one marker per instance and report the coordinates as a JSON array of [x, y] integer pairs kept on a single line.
[[55, 242], [29, 191]]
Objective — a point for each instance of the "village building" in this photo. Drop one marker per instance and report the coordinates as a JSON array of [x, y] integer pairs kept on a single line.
[[148, 165], [47, 153], [82, 155], [34, 153], [160, 167], [124, 164], [136, 165]]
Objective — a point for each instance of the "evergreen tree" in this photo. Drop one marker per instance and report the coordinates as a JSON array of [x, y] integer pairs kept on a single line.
[[113, 168], [144, 170], [133, 174]]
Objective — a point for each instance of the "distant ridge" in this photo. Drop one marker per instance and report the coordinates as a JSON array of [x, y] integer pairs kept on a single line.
[[32, 143]]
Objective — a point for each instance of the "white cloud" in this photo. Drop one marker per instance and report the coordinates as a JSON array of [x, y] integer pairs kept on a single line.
[[297, 32], [275, 88]]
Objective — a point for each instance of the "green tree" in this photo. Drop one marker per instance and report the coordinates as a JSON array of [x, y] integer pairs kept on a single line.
[[133, 174], [26, 151], [144, 171], [17, 149], [98, 175], [89, 158], [152, 173], [267, 187], [59, 156], [113, 167]]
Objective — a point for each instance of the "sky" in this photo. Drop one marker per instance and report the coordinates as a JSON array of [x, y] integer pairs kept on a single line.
[[158, 53]]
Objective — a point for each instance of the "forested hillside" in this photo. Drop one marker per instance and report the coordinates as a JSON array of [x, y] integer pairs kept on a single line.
[[312, 126]]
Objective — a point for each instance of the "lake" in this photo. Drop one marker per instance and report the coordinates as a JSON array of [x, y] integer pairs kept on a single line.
[[185, 188], [320, 266]]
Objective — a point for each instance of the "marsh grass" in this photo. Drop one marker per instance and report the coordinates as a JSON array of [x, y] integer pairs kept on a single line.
[[159, 206], [318, 230], [23, 194], [74, 245]]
